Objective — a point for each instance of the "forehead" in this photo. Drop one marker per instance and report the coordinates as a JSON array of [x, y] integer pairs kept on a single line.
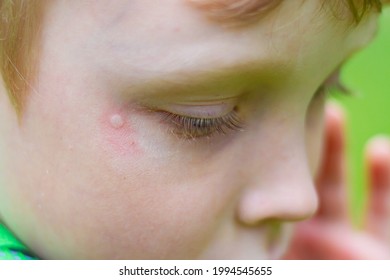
[[294, 32], [238, 12], [222, 13]]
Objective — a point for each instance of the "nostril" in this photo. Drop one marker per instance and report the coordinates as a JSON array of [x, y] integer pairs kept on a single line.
[[278, 238]]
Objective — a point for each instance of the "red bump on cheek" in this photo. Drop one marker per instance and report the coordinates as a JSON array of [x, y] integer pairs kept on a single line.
[[117, 121], [120, 134]]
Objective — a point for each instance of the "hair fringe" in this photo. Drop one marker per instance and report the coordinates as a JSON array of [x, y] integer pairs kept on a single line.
[[234, 12], [19, 32], [359, 8]]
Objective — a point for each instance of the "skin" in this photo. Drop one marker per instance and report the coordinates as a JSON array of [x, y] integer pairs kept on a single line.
[[95, 189]]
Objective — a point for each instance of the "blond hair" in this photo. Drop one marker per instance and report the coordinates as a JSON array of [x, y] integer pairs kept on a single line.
[[20, 32]]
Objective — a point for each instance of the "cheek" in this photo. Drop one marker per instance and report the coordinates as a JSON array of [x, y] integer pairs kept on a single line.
[[119, 134]]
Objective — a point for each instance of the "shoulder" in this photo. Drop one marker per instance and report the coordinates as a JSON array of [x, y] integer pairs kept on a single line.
[[11, 248]]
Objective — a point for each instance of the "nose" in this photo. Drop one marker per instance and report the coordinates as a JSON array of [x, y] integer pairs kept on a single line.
[[281, 189], [286, 203]]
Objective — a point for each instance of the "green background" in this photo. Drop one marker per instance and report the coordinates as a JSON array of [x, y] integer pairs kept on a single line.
[[368, 76]]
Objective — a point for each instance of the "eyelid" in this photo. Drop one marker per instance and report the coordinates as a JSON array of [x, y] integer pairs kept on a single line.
[[202, 111], [197, 119], [199, 108]]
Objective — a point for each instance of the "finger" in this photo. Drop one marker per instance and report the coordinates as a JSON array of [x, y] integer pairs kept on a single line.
[[334, 242], [378, 161], [331, 177]]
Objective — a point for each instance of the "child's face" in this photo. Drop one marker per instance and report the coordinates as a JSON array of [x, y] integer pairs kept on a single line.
[[99, 169]]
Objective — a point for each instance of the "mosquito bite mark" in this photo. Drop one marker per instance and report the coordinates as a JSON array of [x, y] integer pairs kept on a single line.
[[116, 121], [119, 134]]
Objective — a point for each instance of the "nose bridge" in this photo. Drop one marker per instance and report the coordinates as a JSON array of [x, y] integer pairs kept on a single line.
[[279, 184]]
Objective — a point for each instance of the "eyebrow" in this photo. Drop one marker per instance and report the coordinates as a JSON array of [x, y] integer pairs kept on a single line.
[[235, 13]]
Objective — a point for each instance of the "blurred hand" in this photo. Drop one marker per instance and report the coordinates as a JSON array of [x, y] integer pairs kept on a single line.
[[330, 234]]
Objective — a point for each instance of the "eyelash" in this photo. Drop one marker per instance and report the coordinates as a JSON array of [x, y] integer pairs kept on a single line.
[[334, 87], [193, 127], [334, 90]]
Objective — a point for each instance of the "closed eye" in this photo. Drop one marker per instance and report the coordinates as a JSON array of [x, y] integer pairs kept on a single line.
[[189, 127]]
